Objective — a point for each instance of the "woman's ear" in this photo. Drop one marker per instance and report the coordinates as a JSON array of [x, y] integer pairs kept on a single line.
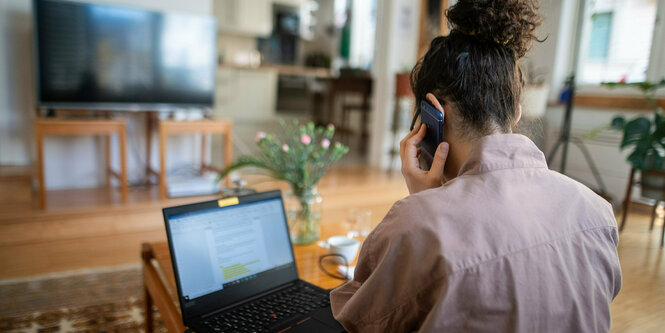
[[518, 114]]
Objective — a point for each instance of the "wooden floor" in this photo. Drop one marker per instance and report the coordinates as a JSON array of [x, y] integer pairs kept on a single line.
[[89, 228]]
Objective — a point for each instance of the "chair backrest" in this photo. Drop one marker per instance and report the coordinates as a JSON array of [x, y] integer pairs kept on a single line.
[[352, 84]]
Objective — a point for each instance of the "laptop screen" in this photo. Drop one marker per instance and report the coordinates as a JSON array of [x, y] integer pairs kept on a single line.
[[230, 248]]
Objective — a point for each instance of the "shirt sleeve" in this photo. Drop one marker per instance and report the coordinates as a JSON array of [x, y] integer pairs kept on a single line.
[[396, 277]]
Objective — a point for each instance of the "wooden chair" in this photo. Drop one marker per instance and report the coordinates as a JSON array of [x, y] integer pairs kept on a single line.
[[627, 202], [351, 85], [204, 127], [46, 127]]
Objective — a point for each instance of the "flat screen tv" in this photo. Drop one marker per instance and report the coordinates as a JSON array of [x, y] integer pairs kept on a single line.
[[97, 56]]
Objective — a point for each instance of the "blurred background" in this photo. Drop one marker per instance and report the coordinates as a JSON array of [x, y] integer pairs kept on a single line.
[[153, 74]]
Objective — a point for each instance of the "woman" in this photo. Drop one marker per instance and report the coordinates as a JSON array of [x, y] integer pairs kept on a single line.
[[490, 239]]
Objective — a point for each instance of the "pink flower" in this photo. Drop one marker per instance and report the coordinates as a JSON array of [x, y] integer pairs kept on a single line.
[[260, 135], [325, 143], [285, 147], [305, 139]]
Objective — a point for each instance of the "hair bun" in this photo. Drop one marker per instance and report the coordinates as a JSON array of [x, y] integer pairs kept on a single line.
[[509, 23]]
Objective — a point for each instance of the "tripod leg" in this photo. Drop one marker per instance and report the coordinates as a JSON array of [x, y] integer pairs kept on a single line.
[[592, 165], [554, 150]]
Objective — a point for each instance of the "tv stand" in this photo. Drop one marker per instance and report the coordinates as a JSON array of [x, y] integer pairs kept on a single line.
[[106, 128]]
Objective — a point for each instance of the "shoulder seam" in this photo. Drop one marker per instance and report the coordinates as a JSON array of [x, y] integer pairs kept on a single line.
[[501, 256]]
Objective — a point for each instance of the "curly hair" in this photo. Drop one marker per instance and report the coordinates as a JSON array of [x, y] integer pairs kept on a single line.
[[476, 66]]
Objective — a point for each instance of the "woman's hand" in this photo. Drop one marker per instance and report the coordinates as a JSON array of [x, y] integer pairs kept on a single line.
[[416, 179]]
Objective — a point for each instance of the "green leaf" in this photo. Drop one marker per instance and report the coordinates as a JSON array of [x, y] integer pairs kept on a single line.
[[658, 118], [301, 165], [637, 159], [636, 130], [618, 123]]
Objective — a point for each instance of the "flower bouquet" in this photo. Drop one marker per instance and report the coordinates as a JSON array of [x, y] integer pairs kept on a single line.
[[300, 155]]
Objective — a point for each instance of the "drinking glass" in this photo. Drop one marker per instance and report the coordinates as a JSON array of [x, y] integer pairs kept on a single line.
[[360, 222]]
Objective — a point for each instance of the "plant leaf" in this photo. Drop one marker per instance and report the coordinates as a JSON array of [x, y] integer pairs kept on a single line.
[[636, 130], [618, 123]]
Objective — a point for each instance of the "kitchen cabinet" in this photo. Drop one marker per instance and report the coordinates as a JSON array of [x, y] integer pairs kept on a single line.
[[305, 10], [246, 94], [294, 3], [244, 17]]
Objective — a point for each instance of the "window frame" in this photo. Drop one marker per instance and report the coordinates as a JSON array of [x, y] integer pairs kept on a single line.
[[655, 69]]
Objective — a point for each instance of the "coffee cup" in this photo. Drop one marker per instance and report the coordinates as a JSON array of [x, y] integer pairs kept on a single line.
[[343, 246]]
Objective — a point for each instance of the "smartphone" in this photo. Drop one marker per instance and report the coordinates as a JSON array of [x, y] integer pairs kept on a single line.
[[433, 119]]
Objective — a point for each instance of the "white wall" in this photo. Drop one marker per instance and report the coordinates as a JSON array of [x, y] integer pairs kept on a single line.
[[395, 50], [73, 162], [16, 82]]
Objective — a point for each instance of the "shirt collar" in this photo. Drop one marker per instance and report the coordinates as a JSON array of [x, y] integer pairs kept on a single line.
[[503, 151]]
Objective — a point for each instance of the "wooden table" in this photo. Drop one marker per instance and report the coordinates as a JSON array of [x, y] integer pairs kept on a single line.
[[104, 127], [160, 288]]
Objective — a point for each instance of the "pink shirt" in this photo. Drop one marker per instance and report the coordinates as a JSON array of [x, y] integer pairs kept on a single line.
[[508, 245]]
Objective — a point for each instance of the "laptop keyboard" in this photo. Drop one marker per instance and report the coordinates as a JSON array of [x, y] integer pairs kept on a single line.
[[289, 306]]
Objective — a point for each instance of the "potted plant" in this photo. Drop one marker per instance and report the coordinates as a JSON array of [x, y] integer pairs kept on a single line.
[[300, 155], [647, 138]]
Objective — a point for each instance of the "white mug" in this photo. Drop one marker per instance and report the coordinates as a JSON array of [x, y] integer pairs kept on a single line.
[[342, 245]]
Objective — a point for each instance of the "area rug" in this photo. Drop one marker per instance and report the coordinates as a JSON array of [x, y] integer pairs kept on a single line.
[[95, 300]]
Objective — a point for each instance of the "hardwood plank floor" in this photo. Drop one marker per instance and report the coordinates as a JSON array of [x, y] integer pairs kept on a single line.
[[640, 306], [91, 228]]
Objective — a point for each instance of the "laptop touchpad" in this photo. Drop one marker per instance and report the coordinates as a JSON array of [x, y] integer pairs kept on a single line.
[[311, 325], [325, 315]]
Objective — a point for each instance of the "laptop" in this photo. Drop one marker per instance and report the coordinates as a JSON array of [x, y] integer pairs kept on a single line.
[[235, 269]]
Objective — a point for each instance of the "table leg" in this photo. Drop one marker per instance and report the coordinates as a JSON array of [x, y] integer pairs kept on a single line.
[[39, 138], [150, 128], [626, 201], [147, 255], [204, 139], [107, 144], [162, 162], [654, 211], [228, 152], [148, 321], [123, 164]]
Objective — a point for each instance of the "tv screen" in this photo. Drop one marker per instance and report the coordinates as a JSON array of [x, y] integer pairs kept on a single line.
[[109, 57]]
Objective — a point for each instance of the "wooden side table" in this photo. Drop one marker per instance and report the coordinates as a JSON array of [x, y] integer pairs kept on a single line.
[[204, 127], [160, 288], [44, 127]]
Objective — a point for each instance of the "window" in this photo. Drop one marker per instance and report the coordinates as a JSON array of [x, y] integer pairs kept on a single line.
[[617, 38], [601, 25]]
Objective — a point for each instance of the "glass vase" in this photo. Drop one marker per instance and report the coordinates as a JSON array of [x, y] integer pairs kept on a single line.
[[303, 211]]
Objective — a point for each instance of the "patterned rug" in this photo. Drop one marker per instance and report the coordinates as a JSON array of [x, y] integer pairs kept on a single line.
[[97, 300]]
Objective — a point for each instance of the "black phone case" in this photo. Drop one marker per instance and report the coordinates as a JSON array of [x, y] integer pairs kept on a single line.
[[433, 119]]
